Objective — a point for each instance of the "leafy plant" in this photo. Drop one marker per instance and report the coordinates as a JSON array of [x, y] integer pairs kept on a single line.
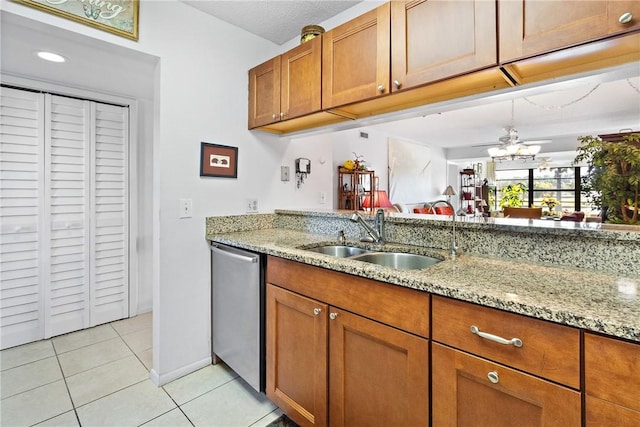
[[512, 195], [612, 182]]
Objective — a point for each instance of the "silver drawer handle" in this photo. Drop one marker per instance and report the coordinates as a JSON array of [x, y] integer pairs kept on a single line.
[[516, 342], [493, 377]]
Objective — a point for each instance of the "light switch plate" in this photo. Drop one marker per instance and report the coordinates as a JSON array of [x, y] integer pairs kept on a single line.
[[186, 208], [322, 197], [284, 173]]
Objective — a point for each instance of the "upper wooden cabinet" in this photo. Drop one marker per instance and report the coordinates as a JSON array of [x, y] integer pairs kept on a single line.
[[530, 27], [433, 40], [355, 65], [287, 86], [264, 93]]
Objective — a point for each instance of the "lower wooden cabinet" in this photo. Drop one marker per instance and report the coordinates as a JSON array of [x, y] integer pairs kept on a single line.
[[326, 365], [297, 356], [471, 391], [612, 382], [378, 375]]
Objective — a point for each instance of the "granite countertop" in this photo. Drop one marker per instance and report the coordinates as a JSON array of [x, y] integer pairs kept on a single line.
[[582, 298]]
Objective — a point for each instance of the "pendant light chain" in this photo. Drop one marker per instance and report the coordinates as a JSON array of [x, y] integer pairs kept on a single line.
[[560, 107]]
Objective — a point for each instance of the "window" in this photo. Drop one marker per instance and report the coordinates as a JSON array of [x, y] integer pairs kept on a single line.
[[563, 184], [559, 183]]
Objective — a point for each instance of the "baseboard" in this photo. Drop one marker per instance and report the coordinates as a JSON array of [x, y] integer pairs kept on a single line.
[[163, 379]]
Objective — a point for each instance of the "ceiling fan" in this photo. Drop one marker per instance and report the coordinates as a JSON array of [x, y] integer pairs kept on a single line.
[[511, 137]]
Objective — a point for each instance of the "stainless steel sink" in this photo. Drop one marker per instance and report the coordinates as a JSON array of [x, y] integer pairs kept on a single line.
[[398, 260], [339, 251]]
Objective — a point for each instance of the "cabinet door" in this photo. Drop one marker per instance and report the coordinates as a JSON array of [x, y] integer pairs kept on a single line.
[[617, 8], [264, 93], [530, 27], [355, 59], [432, 40], [470, 391], [612, 370], [301, 82], [297, 356], [600, 413], [378, 375]]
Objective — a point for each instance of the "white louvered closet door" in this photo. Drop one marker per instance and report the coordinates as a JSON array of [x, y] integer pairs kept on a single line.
[[67, 214], [21, 216], [64, 217], [110, 229]]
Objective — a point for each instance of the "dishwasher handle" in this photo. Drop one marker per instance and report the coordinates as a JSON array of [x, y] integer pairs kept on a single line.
[[240, 257]]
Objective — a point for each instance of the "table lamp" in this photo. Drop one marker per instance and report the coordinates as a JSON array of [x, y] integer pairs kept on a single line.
[[380, 200]]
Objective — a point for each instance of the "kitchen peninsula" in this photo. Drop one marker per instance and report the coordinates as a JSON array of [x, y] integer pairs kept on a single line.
[[567, 292]]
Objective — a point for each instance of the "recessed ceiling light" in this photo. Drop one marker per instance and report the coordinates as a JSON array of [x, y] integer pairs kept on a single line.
[[50, 56]]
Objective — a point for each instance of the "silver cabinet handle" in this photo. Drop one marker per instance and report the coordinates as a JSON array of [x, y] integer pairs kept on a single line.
[[317, 311], [333, 316], [274, 116], [397, 84], [281, 114], [381, 88], [493, 377], [516, 342], [625, 18]]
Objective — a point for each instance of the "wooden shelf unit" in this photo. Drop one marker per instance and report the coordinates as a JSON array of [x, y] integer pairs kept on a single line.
[[354, 186]]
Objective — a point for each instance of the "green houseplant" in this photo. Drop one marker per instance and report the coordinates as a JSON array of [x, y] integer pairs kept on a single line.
[[612, 182], [512, 195]]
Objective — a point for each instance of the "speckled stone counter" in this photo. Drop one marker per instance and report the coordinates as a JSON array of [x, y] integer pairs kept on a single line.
[[601, 301]]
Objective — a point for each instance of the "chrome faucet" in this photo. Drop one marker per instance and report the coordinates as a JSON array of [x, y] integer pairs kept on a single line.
[[376, 234], [454, 246]]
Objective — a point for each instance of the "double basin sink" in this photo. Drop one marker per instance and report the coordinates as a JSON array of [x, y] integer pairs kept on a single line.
[[399, 260]]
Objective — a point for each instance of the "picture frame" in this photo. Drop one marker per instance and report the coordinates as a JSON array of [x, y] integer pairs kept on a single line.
[[115, 16], [219, 161]]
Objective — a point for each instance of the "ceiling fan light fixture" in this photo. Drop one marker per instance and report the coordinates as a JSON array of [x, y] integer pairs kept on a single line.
[[496, 152], [512, 149]]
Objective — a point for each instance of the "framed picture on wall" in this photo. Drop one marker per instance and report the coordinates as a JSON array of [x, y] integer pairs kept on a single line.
[[115, 16], [218, 160]]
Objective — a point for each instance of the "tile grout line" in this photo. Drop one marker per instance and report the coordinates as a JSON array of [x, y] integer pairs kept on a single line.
[[177, 406], [66, 385]]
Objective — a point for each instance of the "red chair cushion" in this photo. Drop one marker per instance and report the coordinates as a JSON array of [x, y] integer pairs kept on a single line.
[[444, 210]]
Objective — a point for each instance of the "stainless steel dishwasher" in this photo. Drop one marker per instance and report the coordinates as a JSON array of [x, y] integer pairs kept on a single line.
[[238, 312]]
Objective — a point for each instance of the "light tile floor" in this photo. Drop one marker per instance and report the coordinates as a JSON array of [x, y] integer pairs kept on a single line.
[[100, 377]]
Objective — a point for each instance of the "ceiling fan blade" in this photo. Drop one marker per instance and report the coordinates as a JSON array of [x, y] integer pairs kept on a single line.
[[537, 141], [488, 144]]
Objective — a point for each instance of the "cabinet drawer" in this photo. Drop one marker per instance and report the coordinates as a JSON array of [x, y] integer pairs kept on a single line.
[[403, 308], [612, 370], [548, 350]]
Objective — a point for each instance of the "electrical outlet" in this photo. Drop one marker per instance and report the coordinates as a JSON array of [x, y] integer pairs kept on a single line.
[[322, 197], [252, 205], [186, 208]]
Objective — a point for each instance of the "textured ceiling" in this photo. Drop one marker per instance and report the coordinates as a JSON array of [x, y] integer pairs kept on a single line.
[[275, 20]]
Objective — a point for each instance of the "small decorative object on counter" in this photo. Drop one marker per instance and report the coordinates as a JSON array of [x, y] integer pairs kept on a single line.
[[309, 32], [550, 203]]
